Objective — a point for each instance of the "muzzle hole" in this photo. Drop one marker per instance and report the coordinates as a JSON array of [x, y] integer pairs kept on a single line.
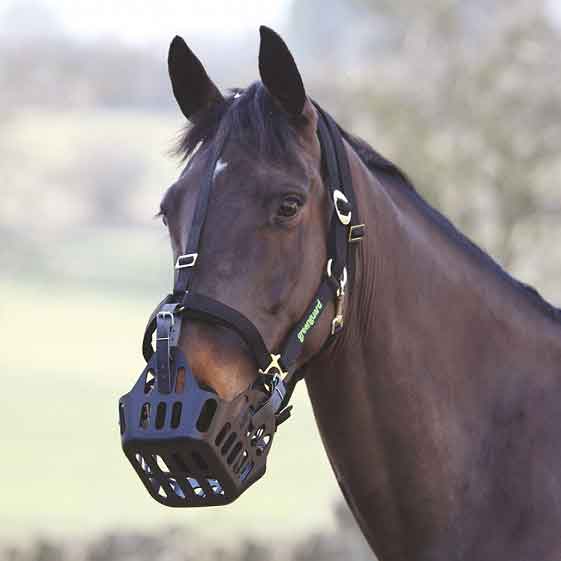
[[228, 444], [241, 462], [234, 453], [215, 486], [246, 471], [122, 423], [144, 421], [142, 463], [176, 414], [195, 485], [163, 467], [222, 434], [160, 415], [176, 488], [207, 414]]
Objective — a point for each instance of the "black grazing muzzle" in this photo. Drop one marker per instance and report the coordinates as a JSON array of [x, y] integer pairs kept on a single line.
[[188, 446]]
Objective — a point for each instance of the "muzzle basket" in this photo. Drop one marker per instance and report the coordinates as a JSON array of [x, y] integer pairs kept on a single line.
[[189, 447]]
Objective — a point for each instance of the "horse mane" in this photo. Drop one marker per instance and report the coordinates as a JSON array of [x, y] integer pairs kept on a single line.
[[386, 171], [251, 116]]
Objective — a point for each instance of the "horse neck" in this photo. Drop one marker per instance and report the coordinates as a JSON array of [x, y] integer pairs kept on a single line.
[[433, 338]]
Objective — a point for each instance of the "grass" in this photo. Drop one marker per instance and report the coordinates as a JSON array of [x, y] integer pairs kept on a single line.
[[69, 352]]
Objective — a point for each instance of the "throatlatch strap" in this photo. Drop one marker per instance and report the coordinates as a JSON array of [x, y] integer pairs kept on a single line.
[[293, 344]]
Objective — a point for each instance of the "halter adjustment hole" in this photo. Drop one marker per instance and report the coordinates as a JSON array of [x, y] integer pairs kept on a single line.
[[207, 414]]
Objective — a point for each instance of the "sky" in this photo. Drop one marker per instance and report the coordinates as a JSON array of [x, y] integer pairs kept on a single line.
[[155, 22], [145, 22]]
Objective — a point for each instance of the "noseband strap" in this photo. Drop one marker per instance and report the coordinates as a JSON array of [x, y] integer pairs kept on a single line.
[[276, 371]]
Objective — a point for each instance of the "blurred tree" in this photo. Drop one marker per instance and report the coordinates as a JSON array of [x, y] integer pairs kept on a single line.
[[109, 179], [462, 95]]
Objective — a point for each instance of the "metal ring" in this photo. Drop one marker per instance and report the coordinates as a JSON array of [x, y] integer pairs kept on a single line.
[[345, 219], [343, 279]]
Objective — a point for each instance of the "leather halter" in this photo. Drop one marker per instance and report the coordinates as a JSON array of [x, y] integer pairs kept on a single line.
[[278, 371]]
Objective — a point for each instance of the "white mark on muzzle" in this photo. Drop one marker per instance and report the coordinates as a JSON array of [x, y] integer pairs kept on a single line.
[[220, 167]]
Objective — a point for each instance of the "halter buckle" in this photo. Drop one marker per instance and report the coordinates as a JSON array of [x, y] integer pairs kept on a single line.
[[342, 281], [356, 233], [187, 260], [338, 321]]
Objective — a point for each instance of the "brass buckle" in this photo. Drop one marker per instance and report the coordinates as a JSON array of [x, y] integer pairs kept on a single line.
[[356, 233]]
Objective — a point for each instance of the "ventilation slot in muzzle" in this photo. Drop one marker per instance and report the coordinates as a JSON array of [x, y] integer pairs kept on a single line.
[[176, 414], [207, 414], [144, 421], [228, 444], [222, 434], [122, 422], [161, 415]]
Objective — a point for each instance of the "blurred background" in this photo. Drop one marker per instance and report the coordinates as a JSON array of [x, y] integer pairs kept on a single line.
[[464, 96]]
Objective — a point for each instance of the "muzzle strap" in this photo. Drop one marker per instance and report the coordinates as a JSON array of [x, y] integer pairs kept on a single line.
[[208, 309]]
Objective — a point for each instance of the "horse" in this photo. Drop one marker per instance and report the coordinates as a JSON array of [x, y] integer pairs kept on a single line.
[[439, 402]]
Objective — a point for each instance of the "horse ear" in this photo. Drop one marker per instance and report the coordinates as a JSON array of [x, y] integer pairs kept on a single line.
[[279, 73], [192, 87]]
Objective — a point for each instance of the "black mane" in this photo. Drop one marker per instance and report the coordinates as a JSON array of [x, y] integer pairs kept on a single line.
[[251, 117]]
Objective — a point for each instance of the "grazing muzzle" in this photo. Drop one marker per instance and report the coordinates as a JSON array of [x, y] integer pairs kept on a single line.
[[188, 446]]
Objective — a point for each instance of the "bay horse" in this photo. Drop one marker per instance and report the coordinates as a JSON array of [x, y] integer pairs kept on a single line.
[[439, 403]]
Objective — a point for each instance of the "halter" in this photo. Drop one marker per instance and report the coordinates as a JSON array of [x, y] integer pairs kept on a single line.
[[189, 447]]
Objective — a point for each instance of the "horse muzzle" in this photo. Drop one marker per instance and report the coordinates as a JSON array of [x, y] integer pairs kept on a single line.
[[190, 447]]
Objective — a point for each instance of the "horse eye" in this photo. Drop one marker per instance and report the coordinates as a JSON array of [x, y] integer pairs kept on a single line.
[[289, 207]]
